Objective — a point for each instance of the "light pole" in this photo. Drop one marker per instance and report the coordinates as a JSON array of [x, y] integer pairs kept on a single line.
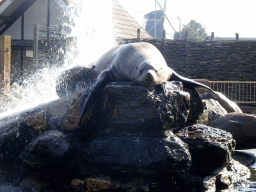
[[180, 26]]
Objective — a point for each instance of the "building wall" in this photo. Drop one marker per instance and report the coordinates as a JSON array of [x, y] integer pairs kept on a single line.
[[22, 64], [15, 30], [36, 14]]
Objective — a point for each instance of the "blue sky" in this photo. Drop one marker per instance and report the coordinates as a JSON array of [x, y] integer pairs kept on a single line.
[[223, 17]]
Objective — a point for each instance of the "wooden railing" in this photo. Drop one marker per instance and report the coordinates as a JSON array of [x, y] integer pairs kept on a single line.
[[237, 91]]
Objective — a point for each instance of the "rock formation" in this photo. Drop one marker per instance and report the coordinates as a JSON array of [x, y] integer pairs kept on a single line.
[[137, 139]]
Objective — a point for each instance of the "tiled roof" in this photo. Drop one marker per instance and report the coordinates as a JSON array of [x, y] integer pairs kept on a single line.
[[124, 24]]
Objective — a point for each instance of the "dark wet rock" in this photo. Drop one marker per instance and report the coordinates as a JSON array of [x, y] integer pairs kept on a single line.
[[31, 185], [244, 157], [213, 110], [9, 188], [73, 80], [139, 155], [209, 147], [232, 177], [129, 145], [230, 180], [196, 106], [239, 168], [57, 108], [10, 143], [106, 183], [38, 122], [97, 184], [241, 126], [165, 105], [73, 115], [209, 183], [55, 123], [50, 148]]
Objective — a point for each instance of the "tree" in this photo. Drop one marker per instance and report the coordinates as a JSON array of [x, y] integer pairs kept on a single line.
[[195, 31]]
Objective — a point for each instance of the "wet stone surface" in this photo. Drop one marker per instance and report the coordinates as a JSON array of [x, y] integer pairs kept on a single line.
[[164, 106], [209, 147], [147, 155], [241, 126], [129, 144]]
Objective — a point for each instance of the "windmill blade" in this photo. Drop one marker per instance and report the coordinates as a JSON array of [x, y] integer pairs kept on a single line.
[[164, 14], [164, 6]]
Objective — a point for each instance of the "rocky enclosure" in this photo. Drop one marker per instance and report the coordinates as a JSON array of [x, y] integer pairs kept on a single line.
[[137, 139]]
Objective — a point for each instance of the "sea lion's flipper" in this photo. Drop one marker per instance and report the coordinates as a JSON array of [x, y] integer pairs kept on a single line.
[[188, 83], [93, 96]]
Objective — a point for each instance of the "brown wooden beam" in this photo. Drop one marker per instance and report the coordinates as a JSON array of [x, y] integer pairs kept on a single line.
[[5, 64]]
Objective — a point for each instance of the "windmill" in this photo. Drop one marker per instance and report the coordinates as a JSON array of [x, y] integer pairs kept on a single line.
[[155, 21]]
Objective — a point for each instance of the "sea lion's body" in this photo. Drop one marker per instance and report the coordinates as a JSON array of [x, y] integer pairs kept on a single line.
[[227, 104], [141, 63], [133, 62]]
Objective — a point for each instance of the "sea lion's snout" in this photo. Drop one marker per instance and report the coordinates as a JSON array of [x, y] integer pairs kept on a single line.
[[149, 78]]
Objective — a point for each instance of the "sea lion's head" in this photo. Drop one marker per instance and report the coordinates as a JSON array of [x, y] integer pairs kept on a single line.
[[150, 76]]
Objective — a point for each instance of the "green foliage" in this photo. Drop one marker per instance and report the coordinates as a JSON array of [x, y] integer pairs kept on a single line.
[[195, 32]]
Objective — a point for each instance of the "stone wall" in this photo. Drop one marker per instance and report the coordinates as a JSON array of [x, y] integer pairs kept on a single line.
[[216, 60]]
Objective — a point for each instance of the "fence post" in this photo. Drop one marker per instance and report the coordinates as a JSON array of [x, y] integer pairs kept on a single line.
[[186, 35], [5, 64], [237, 37], [164, 35], [35, 47], [138, 34], [212, 36]]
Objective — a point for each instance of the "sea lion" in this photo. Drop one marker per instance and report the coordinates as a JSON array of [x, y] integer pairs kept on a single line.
[[141, 63], [227, 104]]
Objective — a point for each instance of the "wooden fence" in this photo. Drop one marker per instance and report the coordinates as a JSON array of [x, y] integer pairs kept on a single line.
[[213, 60]]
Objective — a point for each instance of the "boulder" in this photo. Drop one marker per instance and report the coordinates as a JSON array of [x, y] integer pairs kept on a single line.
[[241, 126], [73, 80], [31, 184], [212, 110], [133, 133], [124, 106], [105, 183], [245, 157], [73, 115], [129, 144], [38, 122], [210, 148], [233, 177], [50, 148], [139, 155], [196, 106], [11, 143], [164, 106]]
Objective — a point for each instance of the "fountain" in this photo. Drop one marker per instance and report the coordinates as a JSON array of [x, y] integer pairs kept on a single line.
[[138, 138]]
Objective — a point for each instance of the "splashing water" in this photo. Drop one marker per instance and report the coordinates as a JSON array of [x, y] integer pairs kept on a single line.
[[92, 33], [94, 29]]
